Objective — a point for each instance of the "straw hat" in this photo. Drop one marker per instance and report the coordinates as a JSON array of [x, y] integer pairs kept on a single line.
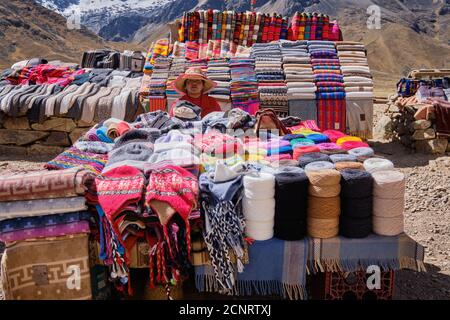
[[193, 73]]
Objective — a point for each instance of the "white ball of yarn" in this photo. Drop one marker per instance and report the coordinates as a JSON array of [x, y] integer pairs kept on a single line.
[[377, 164], [388, 226], [258, 210], [259, 186], [318, 166], [259, 231], [362, 153], [389, 184]]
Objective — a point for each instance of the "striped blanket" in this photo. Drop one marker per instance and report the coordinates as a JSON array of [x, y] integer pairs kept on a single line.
[[276, 268]]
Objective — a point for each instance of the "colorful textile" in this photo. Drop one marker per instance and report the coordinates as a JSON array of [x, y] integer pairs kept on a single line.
[[58, 230], [43, 274], [40, 207], [276, 268], [347, 255], [331, 114], [73, 157], [44, 184]]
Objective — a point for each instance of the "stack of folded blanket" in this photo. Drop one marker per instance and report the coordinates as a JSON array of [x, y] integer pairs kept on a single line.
[[157, 49], [330, 85], [177, 67], [244, 86], [358, 87], [299, 79], [269, 73], [219, 71], [158, 81]]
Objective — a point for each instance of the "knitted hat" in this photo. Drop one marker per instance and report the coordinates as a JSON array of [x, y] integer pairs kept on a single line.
[[175, 188], [118, 188], [135, 135], [187, 111], [131, 151], [193, 73]]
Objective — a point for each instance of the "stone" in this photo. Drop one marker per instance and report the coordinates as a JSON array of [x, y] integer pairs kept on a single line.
[[55, 124], [384, 128], [21, 137], [77, 133], [421, 124], [41, 150], [424, 134], [448, 147], [20, 123], [13, 151], [82, 124], [57, 138], [406, 140], [436, 146]]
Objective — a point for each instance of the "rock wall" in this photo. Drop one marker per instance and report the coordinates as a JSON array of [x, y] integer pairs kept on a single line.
[[18, 137], [416, 134]]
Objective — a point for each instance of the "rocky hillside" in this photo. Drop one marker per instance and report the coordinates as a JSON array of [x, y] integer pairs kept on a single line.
[[29, 30]]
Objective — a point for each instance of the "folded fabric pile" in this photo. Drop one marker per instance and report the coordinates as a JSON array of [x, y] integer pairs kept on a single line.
[[158, 82], [314, 26], [356, 203], [269, 73], [219, 71], [101, 59], [358, 84], [324, 206], [39, 211], [330, 85], [244, 85], [388, 202], [259, 205], [44, 74], [160, 48], [299, 79], [177, 67]]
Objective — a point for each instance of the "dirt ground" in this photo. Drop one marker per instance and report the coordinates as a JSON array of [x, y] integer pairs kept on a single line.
[[427, 216]]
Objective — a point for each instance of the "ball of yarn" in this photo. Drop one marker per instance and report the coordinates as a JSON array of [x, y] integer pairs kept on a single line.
[[355, 228], [388, 208], [388, 226], [334, 135], [350, 145], [319, 165], [259, 231], [358, 208], [290, 137], [278, 157], [302, 142], [335, 151], [362, 153], [299, 151], [356, 184], [323, 228], [341, 140], [259, 186], [389, 184], [324, 208], [349, 165], [324, 178], [258, 210], [286, 163], [324, 192], [329, 146], [291, 195], [335, 158], [312, 157], [290, 230], [377, 164], [290, 170], [317, 138]]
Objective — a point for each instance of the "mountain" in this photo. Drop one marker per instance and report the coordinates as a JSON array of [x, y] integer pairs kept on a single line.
[[413, 33], [29, 30]]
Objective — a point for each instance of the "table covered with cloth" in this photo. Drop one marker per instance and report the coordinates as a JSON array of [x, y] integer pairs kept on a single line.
[[280, 267]]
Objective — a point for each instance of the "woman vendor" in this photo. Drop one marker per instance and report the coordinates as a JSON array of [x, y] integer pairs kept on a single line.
[[194, 85]]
